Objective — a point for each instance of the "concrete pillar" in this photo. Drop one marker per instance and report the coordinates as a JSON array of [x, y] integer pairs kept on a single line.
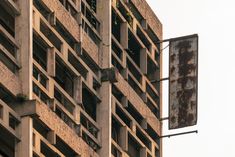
[[144, 124], [124, 101], [25, 147], [144, 24], [113, 101], [143, 60], [104, 108], [51, 61], [134, 23], [51, 137], [124, 73], [89, 79], [124, 138], [124, 35], [133, 126], [24, 37], [77, 90], [143, 152]]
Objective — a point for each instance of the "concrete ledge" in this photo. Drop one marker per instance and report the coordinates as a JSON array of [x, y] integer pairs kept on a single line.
[[10, 80], [138, 103], [64, 17], [4, 119], [90, 47], [52, 121]]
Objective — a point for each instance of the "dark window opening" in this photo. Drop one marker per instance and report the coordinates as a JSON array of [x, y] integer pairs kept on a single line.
[[134, 71], [8, 45], [8, 62], [50, 36], [45, 150], [124, 13], [157, 56], [68, 121], [133, 48], [69, 7], [63, 100], [150, 131], [96, 85], [92, 4], [40, 77], [65, 34], [117, 50], [89, 126], [157, 152], [143, 138], [153, 108], [13, 122], [7, 21], [64, 78], [133, 147], [40, 52], [90, 33], [117, 93], [42, 8], [117, 64], [116, 26], [135, 86], [1, 111], [115, 152], [116, 131], [6, 96], [89, 102], [153, 70], [77, 65], [40, 93], [142, 37], [123, 116], [152, 93], [65, 148], [135, 12], [90, 62], [153, 37], [40, 128], [92, 19], [134, 113], [90, 142]]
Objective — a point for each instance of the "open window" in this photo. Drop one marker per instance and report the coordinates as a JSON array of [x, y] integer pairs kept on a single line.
[[133, 147], [89, 102], [64, 77], [116, 25], [134, 48], [7, 21], [40, 52]]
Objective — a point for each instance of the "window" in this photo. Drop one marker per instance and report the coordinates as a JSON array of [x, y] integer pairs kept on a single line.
[[7, 21], [40, 52], [8, 45], [64, 78], [40, 77], [40, 93], [7, 62]]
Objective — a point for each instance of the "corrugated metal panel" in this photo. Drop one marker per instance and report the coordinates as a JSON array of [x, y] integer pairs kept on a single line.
[[183, 69]]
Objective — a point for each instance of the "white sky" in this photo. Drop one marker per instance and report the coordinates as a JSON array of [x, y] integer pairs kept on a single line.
[[214, 21]]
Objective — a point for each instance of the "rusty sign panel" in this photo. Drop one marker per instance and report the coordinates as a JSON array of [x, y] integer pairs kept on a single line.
[[183, 69]]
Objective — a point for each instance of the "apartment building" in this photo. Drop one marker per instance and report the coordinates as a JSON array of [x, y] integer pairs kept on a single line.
[[76, 79]]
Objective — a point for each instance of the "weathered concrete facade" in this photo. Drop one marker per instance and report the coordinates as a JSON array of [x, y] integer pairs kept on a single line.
[[76, 78]]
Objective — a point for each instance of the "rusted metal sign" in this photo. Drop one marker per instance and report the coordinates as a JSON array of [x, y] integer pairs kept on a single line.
[[183, 69]]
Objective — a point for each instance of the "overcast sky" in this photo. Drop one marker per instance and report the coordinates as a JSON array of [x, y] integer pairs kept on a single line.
[[214, 21]]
